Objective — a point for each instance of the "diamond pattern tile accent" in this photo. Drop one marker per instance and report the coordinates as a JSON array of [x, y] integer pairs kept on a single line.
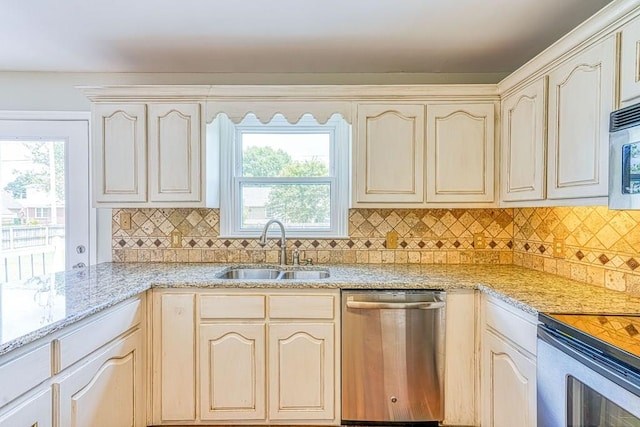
[[368, 244], [526, 247], [209, 243], [227, 243], [333, 244], [157, 243], [404, 244], [439, 244], [456, 244], [192, 243], [350, 243], [139, 242], [632, 263], [315, 244], [122, 243], [421, 244], [603, 259], [579, 255], [542, 249], [244, 243]]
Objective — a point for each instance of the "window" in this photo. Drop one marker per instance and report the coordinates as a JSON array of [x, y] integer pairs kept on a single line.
[[296, 173]]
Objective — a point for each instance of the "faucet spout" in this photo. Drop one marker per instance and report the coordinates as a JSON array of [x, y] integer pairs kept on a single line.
[[262, 241]]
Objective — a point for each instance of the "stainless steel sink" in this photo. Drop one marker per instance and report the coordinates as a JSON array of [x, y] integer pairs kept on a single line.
[[304, 274], [250, 274], [272, 274]]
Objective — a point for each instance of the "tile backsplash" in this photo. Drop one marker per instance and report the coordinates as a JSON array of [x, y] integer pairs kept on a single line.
[[424, 236], [600, 246]]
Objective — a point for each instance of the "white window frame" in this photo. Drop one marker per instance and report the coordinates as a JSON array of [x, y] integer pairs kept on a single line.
[[231, 181]]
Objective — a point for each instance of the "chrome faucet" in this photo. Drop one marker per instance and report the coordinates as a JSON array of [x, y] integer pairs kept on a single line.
[[262, 241]]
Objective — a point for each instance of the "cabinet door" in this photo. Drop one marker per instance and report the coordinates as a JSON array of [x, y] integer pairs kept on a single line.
[[389, 154], [119, 153], [174, 357], [174, 152], [460, 153], [523, 143], [232, 366], [509, 386], [108, 389], [36, 411], [581, 96], [302, 372], [630, 62]]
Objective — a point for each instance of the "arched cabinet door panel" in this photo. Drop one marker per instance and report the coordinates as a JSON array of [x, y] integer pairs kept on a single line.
[[389, 154], [581, 97], [524, 143], [460, 152]]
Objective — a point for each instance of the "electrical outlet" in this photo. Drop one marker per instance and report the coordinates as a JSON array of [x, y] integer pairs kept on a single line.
[[558, 248], [176, 239], [125, 221], [392, 240], [479, 241]]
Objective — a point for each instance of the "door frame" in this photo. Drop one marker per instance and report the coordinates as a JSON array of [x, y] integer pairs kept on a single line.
[[99, 219]]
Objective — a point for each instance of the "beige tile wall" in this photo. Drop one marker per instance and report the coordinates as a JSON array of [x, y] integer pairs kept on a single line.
[[601, 246], [424, 236]]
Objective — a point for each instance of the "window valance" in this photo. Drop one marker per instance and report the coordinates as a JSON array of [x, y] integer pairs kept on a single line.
[[265, 110]]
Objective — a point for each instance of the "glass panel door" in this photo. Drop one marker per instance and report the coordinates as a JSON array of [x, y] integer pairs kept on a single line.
[[44, 206]]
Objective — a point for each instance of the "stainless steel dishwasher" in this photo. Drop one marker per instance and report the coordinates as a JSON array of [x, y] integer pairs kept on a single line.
[[392, 356]]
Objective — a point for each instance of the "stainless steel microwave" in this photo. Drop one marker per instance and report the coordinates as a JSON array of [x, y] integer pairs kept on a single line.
[[624, 158]]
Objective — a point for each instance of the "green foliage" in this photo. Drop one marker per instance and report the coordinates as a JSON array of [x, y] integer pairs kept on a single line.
[[263, 161], [39, 177], [298, 204]]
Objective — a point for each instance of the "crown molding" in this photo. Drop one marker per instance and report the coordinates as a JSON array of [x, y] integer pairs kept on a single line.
[[386, 93], [599, 26]]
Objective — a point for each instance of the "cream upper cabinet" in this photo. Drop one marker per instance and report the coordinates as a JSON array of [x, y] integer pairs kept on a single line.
[[119, 153], [147, 155], [581, 97], [630, 63], [174, 152], [508, 366], [389, 154], [460, 152], [523, 143]]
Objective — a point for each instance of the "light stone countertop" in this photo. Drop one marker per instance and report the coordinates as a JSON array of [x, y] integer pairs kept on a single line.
[[37, 307]]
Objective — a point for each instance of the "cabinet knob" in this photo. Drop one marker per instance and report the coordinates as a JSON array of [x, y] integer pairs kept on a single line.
[[394, 399]]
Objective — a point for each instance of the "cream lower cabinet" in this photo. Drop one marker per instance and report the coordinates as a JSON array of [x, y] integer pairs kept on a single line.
[[233, 372], [302, 373], [107, 390], [263, 357], [34, 411], [89, 374], [508, 366], [460, 152]]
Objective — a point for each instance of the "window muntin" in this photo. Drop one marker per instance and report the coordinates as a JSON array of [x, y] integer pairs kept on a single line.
[[297, 173]]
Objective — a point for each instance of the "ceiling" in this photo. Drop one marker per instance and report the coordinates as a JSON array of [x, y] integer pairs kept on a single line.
[[279, 36]]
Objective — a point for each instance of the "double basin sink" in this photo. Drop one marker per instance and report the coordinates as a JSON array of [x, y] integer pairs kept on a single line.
[[272, 274]]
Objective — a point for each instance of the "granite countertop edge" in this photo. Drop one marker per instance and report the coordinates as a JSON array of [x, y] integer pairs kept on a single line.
[[511, 284]]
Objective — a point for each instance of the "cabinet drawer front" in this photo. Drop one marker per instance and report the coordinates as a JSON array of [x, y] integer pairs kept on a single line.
[[36, 411], [88, 338], [232, 307], [301, 307], [24, 373], [512, 324]]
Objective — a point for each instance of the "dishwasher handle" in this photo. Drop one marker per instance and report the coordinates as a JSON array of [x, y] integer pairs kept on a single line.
[[420, 305]]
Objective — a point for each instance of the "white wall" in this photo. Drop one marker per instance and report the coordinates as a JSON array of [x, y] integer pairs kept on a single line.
[[45, 91]]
